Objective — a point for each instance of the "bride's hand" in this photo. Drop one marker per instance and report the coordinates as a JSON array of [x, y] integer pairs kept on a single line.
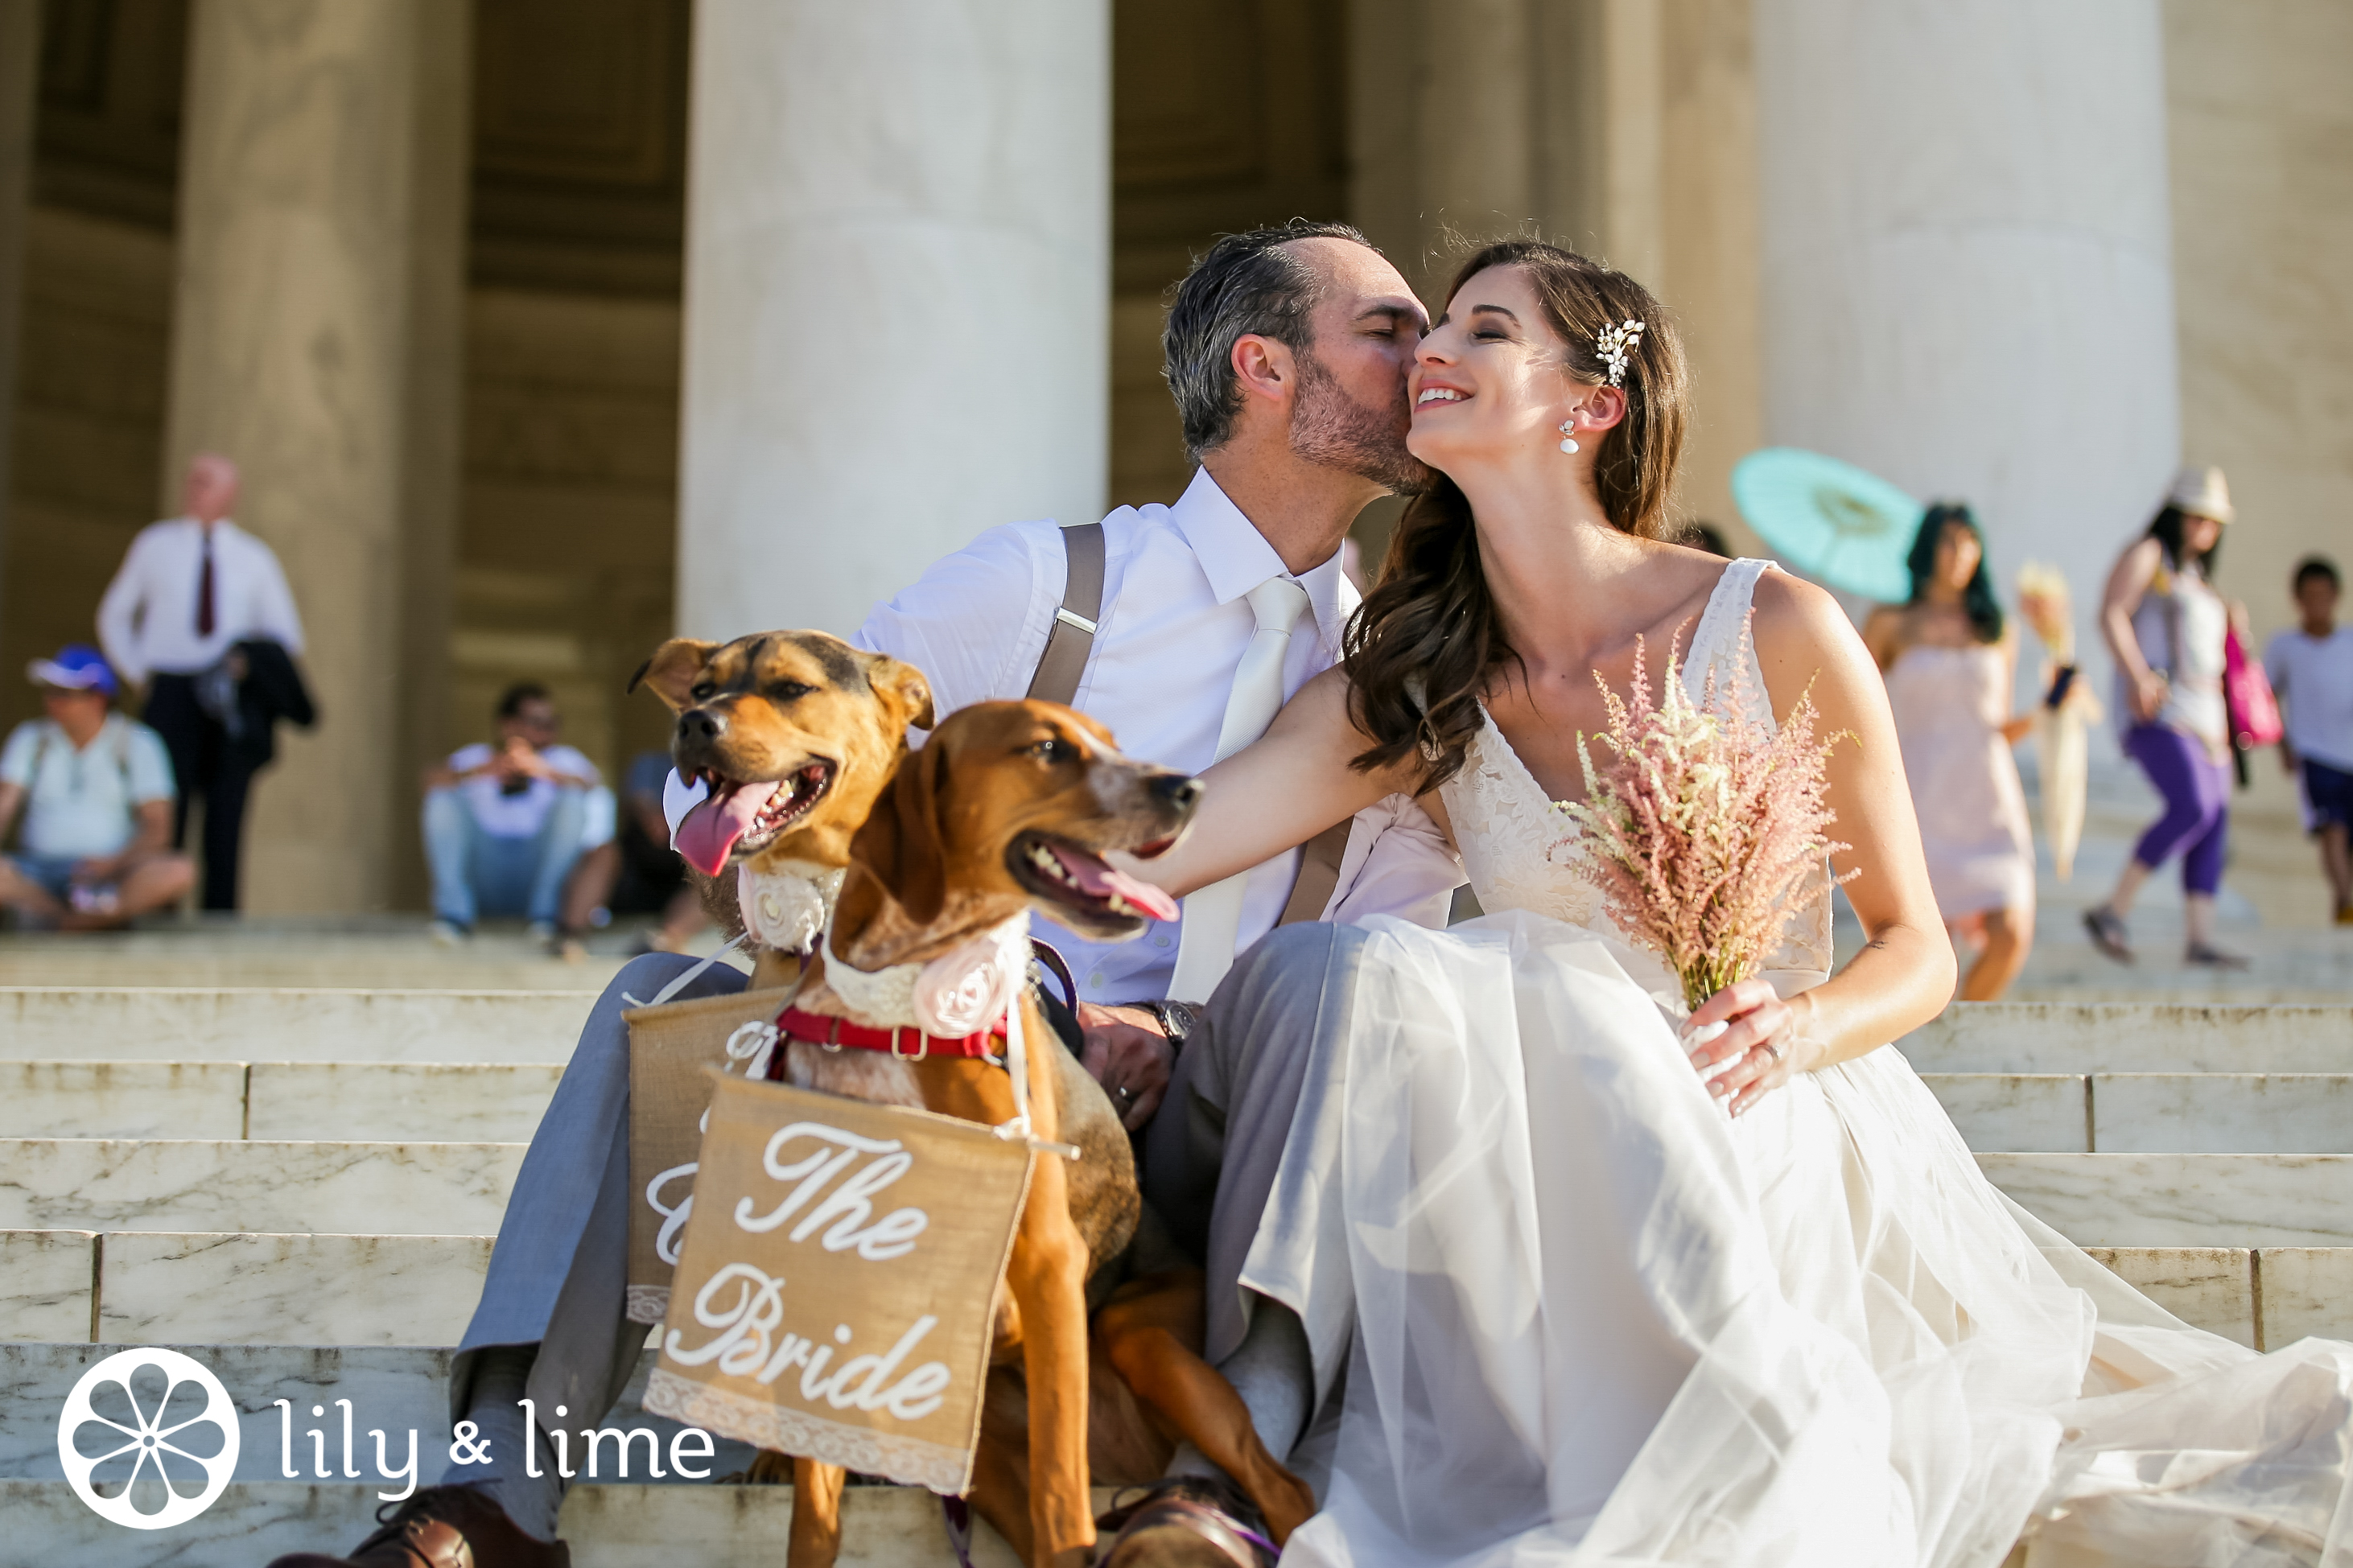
[[1761, 1041]]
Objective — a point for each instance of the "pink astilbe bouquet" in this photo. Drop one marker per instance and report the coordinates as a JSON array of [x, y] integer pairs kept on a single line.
[[1703, 832]]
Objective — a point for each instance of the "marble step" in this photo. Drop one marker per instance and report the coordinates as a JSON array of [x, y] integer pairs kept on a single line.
[[387, 1102], [2186, 1113], [401, 1291], [2184, 1200], [236, 1024], [2133, 1037], [2149, 1113], [302, 951], [225, 1184], [607, 1525], [140, 1286]]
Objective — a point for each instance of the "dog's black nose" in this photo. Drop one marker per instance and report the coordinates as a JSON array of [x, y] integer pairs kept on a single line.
[[1179, 790], [702, 724]]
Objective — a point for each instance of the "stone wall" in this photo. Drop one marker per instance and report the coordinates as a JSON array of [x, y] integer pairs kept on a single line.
[[1226, 114], [2259, 111], [571, 481], [88, 424], [2260, 133]]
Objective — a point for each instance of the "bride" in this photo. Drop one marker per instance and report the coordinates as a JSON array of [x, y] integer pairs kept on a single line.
[[1586, 1306]]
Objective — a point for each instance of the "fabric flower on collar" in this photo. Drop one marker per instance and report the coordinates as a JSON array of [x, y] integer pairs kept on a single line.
[[785, 911], [968, 988]]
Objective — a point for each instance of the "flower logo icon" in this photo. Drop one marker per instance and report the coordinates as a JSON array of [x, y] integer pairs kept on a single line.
[[155, 1439]]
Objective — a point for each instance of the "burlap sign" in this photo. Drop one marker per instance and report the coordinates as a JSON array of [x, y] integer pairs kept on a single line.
[[836, 1297], [671, 1049]]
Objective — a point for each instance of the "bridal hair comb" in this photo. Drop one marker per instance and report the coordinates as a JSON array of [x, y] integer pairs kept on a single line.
[[1614, 343]]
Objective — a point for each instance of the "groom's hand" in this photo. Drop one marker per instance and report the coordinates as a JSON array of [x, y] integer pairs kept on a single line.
[[1129, 1054]]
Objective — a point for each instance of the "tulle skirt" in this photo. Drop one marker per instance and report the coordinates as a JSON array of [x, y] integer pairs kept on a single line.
[[1574, 1314]]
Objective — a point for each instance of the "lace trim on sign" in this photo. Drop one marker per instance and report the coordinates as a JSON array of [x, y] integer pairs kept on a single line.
[[908, 1461]]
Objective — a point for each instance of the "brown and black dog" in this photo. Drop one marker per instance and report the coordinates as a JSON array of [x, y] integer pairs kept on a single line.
[[796, 733], [1013, 806]]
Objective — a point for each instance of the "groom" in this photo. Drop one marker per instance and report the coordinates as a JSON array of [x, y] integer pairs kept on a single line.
[[1287, 351]]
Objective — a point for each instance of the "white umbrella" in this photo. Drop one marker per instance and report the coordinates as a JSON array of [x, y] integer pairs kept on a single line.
[[2059, 732]]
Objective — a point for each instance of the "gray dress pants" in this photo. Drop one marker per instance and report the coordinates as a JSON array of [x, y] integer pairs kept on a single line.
[[557, 1278], [559, 1273], [1212, 1151]]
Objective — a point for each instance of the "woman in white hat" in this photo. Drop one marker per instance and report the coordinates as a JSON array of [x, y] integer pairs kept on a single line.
[[2166, 626]]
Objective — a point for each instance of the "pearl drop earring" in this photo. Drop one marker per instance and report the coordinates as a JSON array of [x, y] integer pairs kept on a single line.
[[1568, 435]]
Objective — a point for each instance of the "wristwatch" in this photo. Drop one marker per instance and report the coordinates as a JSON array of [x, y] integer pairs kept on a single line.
[[1177, 1019]]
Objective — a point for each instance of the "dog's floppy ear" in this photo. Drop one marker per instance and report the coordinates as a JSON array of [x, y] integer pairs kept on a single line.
[[900, 845], [903, 686], [670, 674]]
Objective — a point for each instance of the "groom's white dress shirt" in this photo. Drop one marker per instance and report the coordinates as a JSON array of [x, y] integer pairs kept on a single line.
[[1175, 618]]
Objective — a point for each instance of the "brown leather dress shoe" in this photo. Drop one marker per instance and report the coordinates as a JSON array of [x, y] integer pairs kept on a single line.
[[442, 1527], [1187, 1521]]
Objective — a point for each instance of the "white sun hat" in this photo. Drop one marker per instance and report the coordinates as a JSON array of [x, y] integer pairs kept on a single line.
[[2202, 493]]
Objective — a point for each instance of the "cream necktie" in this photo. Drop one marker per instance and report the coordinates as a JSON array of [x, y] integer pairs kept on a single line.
[[1213, 916]]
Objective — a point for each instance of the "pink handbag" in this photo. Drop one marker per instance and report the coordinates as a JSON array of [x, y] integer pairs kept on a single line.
[[2247, 693]]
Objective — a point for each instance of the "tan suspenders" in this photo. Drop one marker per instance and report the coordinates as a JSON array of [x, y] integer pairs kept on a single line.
[[1065, 662]]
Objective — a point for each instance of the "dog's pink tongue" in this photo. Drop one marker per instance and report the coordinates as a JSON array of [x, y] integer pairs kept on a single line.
[[1102, 880], [707, 833]]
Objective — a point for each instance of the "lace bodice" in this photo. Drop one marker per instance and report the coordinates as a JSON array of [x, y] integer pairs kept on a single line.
[[1520, 853]]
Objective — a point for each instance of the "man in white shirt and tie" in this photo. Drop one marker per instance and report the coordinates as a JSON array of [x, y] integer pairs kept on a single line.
[[191, 589], [1216, 609], [1287, 353]]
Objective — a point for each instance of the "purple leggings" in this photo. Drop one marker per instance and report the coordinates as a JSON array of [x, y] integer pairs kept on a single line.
[[2197, 790]]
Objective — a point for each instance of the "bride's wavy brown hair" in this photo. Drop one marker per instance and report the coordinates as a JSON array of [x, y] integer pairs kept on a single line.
[[1429, 629]]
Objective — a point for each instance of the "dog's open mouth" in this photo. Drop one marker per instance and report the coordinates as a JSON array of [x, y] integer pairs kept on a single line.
[[1085, 884], [743, 816]]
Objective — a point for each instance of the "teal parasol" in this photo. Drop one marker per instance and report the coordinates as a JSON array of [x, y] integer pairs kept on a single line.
[[1830, 521]]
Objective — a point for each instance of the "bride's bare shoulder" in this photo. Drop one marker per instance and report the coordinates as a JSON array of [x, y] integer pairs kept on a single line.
[[1802, 633]]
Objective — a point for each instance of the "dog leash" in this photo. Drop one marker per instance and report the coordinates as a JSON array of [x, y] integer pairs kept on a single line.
[[687, 977]]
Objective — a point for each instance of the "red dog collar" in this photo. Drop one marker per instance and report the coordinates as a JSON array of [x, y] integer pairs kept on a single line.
[[907, 1043]]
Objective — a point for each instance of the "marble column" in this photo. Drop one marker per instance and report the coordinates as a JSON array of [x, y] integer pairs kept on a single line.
[[1967, 277], [1473, 120], [20, 53], [316, 340], [897, 294]]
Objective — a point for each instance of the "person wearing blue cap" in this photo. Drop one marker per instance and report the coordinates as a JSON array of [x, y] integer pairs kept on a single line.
[[97, 792]]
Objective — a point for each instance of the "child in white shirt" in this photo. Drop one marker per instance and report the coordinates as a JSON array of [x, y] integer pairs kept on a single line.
[[2311, 668]]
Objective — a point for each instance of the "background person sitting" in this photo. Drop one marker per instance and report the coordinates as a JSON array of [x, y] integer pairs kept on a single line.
[[504, 824], [97, 791]]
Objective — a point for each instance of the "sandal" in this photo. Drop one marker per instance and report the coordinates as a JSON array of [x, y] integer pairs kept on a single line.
[[2109, 933], [2208, 956], [1189, 1520]]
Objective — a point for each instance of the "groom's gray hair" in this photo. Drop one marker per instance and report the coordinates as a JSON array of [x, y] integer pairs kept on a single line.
[[1247, 284]]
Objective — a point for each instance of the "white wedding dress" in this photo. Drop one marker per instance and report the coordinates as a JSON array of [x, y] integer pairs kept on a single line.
[[1584, 1318]]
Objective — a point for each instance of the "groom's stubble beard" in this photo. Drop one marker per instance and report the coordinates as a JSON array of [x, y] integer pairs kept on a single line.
[[1333, 429]]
